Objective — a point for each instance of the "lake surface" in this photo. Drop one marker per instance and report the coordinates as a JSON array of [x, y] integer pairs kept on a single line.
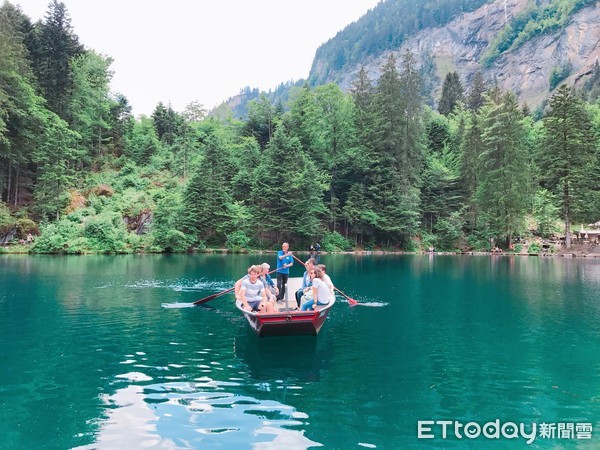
[[90, 357]]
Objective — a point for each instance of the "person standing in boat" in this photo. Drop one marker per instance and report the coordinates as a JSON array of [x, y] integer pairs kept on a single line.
[[306, 280], [322, 295], [253, 294], [284, 262]]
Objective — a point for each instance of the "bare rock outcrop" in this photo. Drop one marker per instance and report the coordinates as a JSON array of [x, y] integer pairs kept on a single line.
[[526, 71]]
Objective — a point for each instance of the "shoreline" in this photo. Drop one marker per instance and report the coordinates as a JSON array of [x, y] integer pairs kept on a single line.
[[4, 250]]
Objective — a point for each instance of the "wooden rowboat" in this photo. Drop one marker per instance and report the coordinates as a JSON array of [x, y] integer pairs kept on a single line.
[[286, 321]]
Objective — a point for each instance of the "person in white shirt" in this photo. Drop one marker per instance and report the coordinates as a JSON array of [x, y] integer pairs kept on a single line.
[[252, 292], [326, 278], [322, 294]]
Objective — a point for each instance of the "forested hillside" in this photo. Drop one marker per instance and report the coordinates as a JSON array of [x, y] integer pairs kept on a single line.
[[374, 167], [385, 27]]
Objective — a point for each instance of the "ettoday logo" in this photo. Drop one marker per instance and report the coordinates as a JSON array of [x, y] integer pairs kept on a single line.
[[430, 429]]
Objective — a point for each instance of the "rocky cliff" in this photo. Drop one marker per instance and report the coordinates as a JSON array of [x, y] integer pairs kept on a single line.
[[526, 71]]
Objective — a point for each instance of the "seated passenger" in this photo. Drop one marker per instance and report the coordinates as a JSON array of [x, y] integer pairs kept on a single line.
[[267, 281], [306, 280], [326, 278], [322, 294], [252, 292]]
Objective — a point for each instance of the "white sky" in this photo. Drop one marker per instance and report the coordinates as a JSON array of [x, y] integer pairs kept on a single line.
[[179, 51]]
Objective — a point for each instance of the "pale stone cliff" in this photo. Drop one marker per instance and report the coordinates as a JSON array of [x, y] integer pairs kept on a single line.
[[526, 71]]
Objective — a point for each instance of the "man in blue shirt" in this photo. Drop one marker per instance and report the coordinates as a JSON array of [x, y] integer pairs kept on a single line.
[[284, 262]]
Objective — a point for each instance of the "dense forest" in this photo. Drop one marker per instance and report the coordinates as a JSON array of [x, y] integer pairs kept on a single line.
[[371, 168]]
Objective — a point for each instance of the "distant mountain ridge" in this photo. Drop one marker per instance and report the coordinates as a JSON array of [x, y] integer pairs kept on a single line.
[[530, 70], [527, 46]]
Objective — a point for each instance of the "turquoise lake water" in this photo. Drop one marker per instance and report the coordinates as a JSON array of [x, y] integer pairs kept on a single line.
[[91, 358]]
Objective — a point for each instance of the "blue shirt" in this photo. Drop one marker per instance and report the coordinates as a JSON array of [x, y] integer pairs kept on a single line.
[[306, 281], [280, 262], [269, 280]]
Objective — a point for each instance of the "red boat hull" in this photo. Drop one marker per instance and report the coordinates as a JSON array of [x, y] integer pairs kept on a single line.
[[289, 323]]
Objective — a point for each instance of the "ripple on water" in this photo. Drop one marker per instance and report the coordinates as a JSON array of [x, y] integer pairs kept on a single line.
[[197, 415]]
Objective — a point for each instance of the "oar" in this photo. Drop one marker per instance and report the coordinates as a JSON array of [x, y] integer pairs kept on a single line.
[[351, 301], [218, 294], [210, 297]]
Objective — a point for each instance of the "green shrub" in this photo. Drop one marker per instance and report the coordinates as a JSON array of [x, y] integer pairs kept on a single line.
[[106, 232], [7, 222], [237, 241], [534, 248], [335, 242], [170, 240], [59, 238]]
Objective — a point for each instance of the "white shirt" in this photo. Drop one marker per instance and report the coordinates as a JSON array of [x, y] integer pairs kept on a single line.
[[324, 294]]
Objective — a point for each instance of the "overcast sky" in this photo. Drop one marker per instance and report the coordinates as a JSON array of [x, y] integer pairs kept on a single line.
[[179, 51]]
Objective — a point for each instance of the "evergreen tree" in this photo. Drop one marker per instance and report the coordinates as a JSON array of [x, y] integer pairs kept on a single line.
[[335, 144], [411, 157], [56, 159], [476, 95], [53, 48], [503, 186], [261, 121], [22, 114], [120, 122], [358, 210], [452, 93], [141, 143], [567, 151], [287, 194], [168, 123], [396, 157], [438, 134], [208, 194], [441, 192], [90, 104], [470, 165]]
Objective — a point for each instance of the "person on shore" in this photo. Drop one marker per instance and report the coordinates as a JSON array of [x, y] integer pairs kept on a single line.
[[284, 262], [253, 293], [267, 281], [321, 294], [306, 280]]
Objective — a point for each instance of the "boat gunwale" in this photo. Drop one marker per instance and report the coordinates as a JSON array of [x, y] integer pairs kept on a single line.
[[296, 313]]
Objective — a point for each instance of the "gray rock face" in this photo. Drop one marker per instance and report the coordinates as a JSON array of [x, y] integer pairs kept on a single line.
[[526, 70]]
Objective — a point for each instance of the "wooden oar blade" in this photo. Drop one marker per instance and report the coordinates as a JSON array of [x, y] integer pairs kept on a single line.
[[351, 301], [213, 296]]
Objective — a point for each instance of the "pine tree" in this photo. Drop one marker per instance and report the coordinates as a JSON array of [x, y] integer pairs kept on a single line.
[[502, 189], [22, 114], [168, 123], [452, 93], [475, 97], [287, 194], [568, 148], [470, 165], [208, 195], [90, 104], [261, 121], [54, 47]]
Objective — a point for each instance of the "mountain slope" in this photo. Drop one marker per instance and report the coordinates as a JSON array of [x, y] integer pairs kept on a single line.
[[501, 40]]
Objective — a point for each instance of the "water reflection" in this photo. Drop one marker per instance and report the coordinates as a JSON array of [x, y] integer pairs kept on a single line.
[[201, 414], [289, 358]]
